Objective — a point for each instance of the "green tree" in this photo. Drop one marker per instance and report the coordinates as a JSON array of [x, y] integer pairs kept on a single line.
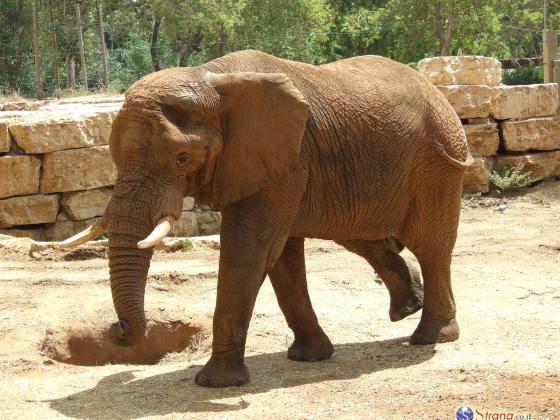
[[15, 42]]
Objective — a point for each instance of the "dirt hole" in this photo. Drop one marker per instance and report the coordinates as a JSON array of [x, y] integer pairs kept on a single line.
[[87, 347], [86, 254], [180, 278]]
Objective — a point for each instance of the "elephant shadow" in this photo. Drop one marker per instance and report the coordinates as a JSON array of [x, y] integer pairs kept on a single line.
[[122, 395]]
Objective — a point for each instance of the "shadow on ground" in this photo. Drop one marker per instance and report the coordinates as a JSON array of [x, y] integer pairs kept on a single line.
[[122, 395]]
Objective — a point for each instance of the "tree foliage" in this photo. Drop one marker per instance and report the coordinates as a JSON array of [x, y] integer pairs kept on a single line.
[[146, 35]]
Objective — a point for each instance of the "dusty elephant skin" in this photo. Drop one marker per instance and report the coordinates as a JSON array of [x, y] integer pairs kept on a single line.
[[364, 152]]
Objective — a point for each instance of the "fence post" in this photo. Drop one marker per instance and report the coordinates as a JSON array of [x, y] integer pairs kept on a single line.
[[36, 53], [102, 45], [557, 79], [81, 45], [550, 53]]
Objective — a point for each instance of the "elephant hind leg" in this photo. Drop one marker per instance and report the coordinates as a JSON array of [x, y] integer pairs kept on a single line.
[[401, 278], [430, 234], [289, 281]]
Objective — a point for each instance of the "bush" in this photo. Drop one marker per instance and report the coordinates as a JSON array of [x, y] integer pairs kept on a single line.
[[523, 76], [509, 178]]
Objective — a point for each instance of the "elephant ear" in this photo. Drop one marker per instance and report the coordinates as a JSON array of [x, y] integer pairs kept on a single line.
[[264, 122]]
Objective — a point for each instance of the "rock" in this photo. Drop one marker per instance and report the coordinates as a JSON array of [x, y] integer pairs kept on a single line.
[[483, 139], [464, 70], [532, 134], [210, 241], [188, 203], [525, 101], [20, 175], [28, 210], [78, 169], [86, 204], [76, 126], [541, 165], [187, 225], [35, 234], [209, 222], [476, 177], [469, 101], [195, 223], [62, 230], [4, 138], [486, 120], [62, 216]]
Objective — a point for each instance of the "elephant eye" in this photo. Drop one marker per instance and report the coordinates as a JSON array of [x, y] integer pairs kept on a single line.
[[182, 158]]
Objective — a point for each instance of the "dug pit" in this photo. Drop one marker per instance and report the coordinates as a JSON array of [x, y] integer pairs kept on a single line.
[[85, 345]]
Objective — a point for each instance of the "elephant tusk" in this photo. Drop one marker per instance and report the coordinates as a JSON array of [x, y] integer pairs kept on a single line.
[[162, 228], [95, 230]]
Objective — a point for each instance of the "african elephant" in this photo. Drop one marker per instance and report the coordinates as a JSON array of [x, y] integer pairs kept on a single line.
[[363, 151]]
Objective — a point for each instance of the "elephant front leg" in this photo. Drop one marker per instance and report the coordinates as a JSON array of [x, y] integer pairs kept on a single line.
[[237, 291], [289, 281]]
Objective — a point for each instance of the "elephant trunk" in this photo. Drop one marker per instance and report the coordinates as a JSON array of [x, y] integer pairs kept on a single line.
[[128, 269]]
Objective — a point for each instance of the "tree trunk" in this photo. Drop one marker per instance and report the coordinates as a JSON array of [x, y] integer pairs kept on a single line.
[[187, 48], [220, 45], [70, 72], [19, 60], [360, 50], [153, 48], [446, 41]]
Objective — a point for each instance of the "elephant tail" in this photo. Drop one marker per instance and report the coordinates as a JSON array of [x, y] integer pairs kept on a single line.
[[460, 164], [449, 138]]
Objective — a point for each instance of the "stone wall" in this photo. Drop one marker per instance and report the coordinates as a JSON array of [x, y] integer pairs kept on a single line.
[[56, 172], [505, 125]]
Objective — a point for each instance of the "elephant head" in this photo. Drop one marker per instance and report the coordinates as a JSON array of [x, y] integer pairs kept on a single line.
[[218, 137]]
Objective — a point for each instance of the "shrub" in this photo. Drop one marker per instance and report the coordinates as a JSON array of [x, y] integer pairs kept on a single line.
[[508, 178], [523, 76]]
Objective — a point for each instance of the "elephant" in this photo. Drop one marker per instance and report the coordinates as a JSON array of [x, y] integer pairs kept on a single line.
[[363, 151]]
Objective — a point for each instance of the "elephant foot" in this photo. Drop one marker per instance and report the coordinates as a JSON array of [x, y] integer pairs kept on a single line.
[[222, 375], [401, 309], [435, 331], [310, 348]]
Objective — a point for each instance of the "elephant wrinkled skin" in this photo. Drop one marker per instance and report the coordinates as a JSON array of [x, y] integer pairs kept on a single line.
[[363, 151]]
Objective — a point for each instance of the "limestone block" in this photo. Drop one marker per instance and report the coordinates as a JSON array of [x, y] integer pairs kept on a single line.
[[62, 216], [469, 101], [60, 231], [541, 165], [84, 205], [464, 70], [476, 177], [28, 210], [19, 175], [4, 138], [486, 120], [47, 131], [524, 101], [35, 234], [532, 134], [209, 222], [483, 139], [196, 223], [188, 203], [78, 169], [187, 225]]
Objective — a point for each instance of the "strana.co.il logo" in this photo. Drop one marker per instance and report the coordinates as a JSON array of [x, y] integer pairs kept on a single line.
[[464, 413]]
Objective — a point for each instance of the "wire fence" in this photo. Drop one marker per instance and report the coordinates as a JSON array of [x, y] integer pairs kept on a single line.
[[127, 65]]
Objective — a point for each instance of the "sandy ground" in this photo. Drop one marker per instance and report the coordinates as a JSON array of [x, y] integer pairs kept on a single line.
[[506, 273]]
